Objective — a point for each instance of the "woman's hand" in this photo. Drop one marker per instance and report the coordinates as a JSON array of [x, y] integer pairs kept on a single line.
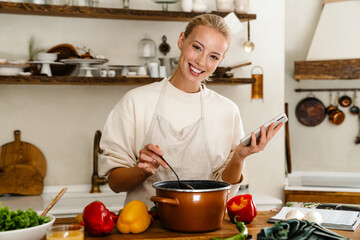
[[149, 159], [260, 144]]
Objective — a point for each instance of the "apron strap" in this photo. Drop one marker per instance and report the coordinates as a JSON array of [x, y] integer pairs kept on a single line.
[[203, 125], [162, 93]]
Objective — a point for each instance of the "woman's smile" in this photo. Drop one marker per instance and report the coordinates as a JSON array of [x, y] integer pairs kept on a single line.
[[195, 71]]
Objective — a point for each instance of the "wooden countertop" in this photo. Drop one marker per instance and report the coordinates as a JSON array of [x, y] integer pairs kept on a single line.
[[227, 229]]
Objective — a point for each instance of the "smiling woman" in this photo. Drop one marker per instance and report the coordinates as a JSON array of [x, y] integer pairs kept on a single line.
[[178, 118]]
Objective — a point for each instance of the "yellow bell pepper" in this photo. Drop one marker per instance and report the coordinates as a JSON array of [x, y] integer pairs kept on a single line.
[[134, 218]]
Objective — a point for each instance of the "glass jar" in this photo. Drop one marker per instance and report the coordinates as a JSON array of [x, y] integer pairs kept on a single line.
[[147, 48], [241, 6]]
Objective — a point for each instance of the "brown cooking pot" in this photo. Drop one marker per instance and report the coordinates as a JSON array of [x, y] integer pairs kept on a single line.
[[187, 210], [310, 111]]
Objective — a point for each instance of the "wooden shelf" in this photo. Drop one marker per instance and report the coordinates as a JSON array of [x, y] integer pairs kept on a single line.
[[328, 69], [60, 80], [106, 13]]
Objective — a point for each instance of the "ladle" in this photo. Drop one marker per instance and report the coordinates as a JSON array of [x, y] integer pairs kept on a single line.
[[61, 193], [181, 184], [248, 45], [354, 109]]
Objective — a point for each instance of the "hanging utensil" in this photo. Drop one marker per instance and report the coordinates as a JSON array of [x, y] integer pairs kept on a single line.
[[345, 101], [164, 46], [337, 116], [248, 45], [357, 140], [181, 184], [354, 109], [331, 107], [310, 111], [257, 88]]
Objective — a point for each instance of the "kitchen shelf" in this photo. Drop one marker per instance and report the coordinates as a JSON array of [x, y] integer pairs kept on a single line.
[[342, 69], [66, 80], [105, 13]]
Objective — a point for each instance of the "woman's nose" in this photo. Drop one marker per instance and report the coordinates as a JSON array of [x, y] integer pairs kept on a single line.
[[200, 60]]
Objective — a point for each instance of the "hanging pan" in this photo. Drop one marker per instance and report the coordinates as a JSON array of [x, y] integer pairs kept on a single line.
[[310, 111]]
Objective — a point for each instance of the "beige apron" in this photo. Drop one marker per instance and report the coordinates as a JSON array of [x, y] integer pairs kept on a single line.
[[187, 151]]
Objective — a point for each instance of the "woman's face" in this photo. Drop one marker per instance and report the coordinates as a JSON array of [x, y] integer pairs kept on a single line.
[[201, 53]]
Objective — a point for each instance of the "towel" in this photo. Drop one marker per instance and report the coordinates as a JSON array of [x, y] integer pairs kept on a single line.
[[297, 230]]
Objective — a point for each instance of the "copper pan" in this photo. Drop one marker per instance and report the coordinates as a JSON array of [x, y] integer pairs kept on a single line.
[[310, 111], [337, 116]]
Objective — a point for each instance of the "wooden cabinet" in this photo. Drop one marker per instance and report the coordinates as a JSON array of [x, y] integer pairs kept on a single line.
[[105, 13], [322, 196]]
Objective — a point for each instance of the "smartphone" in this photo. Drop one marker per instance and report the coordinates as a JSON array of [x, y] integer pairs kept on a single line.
[[277, 120]]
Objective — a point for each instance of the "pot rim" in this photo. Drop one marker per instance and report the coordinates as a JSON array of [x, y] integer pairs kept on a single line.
[[158, 184]]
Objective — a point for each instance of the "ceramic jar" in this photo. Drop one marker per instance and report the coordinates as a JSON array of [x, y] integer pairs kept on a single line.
[[224, 5], [103, 73], [186, 5], [241, 6], [199, 6]]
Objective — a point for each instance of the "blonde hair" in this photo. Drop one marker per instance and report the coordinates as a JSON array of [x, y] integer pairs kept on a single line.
[[212, 21]]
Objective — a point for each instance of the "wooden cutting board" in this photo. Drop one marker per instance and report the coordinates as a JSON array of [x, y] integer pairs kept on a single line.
[[22, 168]]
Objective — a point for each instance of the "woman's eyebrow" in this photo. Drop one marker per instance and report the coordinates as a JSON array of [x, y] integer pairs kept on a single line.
[[204, 47]]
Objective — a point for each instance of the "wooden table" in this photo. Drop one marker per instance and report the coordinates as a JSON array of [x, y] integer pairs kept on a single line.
[[227, 229]]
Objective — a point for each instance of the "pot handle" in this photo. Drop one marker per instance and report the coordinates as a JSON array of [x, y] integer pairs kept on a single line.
[[169, 201]]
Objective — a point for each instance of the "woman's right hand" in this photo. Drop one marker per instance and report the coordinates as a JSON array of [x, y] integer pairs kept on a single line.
[[149, 159]]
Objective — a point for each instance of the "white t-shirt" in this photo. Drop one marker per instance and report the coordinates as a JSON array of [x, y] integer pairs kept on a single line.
[[128, 123]]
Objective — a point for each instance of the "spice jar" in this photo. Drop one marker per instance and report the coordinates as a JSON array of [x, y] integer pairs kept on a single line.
[[103, 73], [111, 73]]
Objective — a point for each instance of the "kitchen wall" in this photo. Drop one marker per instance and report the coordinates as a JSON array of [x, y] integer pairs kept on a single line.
[[325, 147], [61, 119]]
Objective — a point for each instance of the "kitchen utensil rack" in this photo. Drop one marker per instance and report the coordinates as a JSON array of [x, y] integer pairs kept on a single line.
[[326, 89]]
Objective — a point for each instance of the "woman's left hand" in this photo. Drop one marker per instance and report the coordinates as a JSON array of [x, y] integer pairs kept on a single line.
[[260, 144]]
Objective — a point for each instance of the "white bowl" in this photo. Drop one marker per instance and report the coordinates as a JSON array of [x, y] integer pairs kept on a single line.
[[224, 5], [11, 69], [32, 233], [47, 57]]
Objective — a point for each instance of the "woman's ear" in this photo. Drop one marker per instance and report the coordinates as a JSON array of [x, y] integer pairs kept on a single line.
[[181, 40]]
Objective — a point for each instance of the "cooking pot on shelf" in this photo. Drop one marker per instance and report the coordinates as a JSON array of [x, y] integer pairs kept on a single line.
[[187, 210]]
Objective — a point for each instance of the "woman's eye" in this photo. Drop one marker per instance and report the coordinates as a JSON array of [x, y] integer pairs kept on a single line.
[[196, 47], [214, 57]]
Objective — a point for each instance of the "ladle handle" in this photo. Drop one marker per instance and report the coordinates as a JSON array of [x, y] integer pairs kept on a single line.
[[170, 168]]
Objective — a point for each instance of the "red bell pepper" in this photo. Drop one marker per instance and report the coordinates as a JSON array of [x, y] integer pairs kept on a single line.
[[241, 207], [98, 219]]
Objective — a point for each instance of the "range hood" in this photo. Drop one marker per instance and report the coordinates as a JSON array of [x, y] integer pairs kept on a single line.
[[335, 48]]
